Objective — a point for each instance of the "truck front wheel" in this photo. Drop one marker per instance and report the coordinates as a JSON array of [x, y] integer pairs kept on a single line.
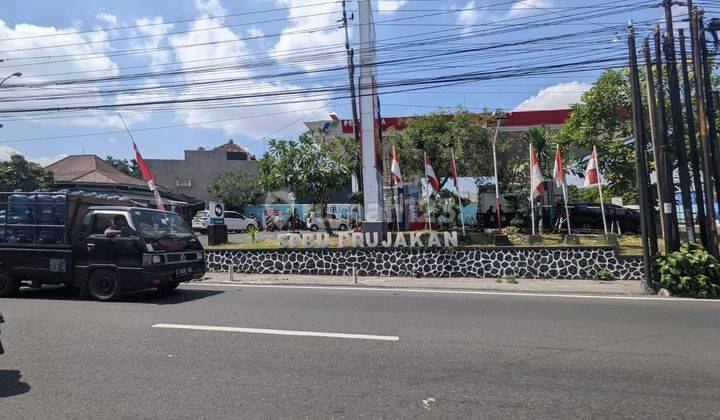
[[8, 285], [105, 286]]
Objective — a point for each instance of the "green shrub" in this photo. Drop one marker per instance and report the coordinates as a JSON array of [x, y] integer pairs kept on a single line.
[[517, 222], [692, 271], [252, 232], [512, 279], [512, 230], [604, 275]]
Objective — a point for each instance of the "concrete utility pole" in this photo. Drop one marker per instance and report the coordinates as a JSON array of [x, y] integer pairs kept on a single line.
[[694, 159], [709, 103], [646, 212], [351, 80], [678, 132], [702, 122], [369, 111], [664, 173]]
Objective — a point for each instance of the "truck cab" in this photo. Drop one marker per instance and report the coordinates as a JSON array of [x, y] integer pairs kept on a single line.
[[132, 248], [102, 250]]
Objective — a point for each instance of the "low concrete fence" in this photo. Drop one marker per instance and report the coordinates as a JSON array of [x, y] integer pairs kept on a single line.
[[524, 262]]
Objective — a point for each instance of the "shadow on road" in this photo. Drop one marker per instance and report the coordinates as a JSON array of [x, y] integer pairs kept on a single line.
[[151, 296], [10, 383]]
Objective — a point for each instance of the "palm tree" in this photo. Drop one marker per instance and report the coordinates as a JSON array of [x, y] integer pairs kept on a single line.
[[543, 141]]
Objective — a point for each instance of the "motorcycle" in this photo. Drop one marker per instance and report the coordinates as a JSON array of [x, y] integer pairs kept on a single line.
[[2, 320]]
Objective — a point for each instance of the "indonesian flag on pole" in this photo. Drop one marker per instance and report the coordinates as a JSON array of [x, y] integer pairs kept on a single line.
[[430, 175], [558, 169], [395, 169], [453, 171], [592, 173], [147, 176], [536, 178]]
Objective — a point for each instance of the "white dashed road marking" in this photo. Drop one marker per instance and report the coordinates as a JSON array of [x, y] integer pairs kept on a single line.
[[277, 332]]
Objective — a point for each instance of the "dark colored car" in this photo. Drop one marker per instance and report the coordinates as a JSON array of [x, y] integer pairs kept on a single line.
[[2, 320], [588, 216]]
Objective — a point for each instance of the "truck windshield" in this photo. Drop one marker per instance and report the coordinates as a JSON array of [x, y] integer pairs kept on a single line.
[[155, 224]]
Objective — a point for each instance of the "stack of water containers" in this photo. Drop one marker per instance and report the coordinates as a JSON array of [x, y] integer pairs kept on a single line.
[[35, 218]]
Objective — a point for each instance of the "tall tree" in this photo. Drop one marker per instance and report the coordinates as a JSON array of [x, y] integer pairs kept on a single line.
[[235, 189], [602, 119], [17, 173], [126, 166], [312, 166]]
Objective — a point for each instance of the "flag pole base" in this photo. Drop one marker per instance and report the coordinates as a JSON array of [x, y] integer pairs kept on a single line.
[[535, 240], [501, 240], [609, 239], [571, 240]]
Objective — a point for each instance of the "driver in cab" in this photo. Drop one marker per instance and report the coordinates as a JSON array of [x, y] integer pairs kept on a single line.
[[117, 223]]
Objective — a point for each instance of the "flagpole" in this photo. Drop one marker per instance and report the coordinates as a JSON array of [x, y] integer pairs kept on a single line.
[[602, 201], [497, 181], [532, 204], [457, 188], [397, 206], [427, 180]]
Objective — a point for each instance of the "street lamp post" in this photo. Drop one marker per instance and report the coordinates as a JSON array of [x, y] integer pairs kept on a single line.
[[16, 74]]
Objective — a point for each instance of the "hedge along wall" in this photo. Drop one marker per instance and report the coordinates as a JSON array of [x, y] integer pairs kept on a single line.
[[526, 262]]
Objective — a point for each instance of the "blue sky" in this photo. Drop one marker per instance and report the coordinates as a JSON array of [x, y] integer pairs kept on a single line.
[[258, 43]]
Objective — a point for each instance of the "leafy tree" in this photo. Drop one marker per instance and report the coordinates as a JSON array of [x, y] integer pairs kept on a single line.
[[312, 166], [126, 166], [602, 119], [235, 189], [17, 173], [543, 141]]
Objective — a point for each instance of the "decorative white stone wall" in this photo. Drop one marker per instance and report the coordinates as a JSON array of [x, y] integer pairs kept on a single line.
[[530, 262]]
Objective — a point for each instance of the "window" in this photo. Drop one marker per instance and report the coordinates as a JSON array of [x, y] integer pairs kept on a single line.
[[186, 183], [232, 215], [102, 221]]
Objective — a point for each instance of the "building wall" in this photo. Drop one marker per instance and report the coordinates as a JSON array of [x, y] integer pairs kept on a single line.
[[198, 167]]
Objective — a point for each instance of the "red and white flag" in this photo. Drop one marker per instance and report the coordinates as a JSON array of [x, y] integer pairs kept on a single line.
[[147, 176], [453, 171], [395, 169], [592, 173], [558, 169], [536, 179], [430, 175]]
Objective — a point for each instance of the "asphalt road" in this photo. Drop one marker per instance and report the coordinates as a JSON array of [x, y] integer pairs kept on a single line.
[[438, 354]]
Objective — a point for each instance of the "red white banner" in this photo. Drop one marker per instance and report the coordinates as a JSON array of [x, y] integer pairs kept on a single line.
[[592, 173], [430, 175], [536, 179], [147, 176], [395, 168], [558, 169]]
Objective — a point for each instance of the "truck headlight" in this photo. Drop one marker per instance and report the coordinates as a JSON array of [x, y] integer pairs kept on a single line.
[[149, 260], [157, 259], [201, 256]]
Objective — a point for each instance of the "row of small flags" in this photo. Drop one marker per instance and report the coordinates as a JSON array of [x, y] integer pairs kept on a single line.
[[592, 178]]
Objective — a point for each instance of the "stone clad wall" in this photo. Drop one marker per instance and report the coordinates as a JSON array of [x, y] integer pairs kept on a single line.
[[550, 263]]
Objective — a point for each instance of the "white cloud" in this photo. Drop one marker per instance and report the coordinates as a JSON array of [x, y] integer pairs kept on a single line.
[[302, 34], [255, 32], [107, 18], [239, 53], [6, 152], [390, 6], [154, 31], [525, 7], [555, 97], [470, 15]]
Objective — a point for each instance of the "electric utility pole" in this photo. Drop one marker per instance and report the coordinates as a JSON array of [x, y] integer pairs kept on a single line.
[[678, 124], [665, 176], [351, 80], [702, 122], [695, 160], [646, 212], [709, 105]]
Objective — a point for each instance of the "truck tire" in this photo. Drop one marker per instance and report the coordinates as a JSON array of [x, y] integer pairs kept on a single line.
[[105, 286], [167, 288], [8, 285]]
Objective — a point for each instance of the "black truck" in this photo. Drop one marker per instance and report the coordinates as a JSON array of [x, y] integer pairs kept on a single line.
[[100, 247]]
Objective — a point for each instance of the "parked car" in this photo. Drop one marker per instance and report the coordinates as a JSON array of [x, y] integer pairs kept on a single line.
[[200, 221], [315, 222], [234, 221], [237, 222], [589, 216]]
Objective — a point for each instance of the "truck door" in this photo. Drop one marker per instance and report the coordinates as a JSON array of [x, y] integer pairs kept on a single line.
[[104, 245]]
